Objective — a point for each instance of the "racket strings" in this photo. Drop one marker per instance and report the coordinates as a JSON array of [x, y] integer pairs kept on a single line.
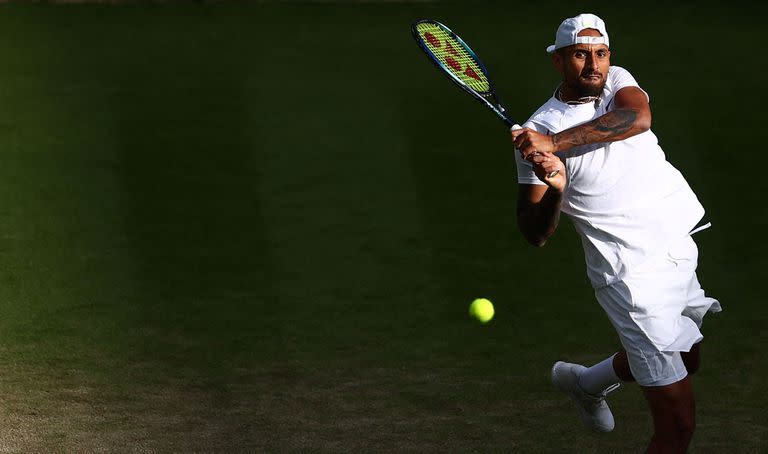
[[453, 55]]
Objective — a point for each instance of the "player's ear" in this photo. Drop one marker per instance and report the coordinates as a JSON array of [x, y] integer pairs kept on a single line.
[[557, 61]]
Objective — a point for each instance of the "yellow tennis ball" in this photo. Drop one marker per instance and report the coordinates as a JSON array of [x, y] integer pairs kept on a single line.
[[481, 310]]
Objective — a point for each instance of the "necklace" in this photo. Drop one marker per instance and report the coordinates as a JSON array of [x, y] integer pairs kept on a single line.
[[582, 100]]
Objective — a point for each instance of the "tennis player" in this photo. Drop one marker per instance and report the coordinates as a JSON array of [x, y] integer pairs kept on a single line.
[[635, 214]]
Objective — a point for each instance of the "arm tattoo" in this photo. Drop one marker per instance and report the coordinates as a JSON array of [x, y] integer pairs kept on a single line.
[[616, 125], [617, 122]]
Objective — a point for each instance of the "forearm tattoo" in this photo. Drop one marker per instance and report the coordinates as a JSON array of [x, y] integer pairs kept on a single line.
[[611, 126]]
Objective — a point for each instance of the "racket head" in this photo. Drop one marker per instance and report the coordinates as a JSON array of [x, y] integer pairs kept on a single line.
[[451, 54], [459, 62]]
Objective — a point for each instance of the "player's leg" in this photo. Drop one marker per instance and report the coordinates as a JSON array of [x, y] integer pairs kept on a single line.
[[621, 366], [599, 377], [674, 418], [692, 359]]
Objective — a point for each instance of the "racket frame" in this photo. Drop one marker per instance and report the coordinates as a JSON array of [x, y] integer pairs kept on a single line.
[[489, 98]]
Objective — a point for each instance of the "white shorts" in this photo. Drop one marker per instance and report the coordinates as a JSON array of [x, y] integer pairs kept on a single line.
[[657, 310]]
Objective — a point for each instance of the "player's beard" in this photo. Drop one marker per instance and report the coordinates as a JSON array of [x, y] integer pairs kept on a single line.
[[586, 87]]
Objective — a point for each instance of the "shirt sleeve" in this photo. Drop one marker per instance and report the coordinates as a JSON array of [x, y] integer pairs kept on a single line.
[[621, 78], [525, 174]]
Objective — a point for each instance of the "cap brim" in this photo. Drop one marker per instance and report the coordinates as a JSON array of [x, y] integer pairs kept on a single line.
[[550, 49]]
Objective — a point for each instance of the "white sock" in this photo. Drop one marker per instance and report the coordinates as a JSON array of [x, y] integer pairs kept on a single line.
[[599, 377]]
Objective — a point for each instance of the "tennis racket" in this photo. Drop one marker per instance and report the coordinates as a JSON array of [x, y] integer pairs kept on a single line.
[[460, 63]]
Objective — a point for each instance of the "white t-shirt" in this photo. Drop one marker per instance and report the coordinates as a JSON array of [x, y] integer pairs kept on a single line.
[[625, 200]]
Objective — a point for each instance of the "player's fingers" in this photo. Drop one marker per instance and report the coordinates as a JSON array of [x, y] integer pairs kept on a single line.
[[546, 161], [517, 132], [546, 157], [538, 158], [519, 140], [525, 148], [523, 136], [551, 168], [529, 152]]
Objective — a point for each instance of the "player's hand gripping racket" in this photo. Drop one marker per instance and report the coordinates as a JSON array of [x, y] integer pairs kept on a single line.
[[455, 58]]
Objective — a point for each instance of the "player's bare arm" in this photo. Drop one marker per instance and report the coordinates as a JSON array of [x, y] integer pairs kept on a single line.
[[631, 116], [538, 206]]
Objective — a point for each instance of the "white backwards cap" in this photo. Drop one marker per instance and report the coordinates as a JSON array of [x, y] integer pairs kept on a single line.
[[569, 28]]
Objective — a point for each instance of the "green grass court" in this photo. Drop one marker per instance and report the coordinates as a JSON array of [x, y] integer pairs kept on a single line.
[[257, 227]]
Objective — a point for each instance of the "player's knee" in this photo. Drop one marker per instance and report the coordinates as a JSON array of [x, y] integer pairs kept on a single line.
[[674, 415]]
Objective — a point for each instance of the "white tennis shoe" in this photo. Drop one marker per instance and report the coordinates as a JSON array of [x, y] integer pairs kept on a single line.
[[593, 410]]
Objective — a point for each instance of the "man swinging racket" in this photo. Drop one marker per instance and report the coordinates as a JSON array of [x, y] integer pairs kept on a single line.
[[589, 152]]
